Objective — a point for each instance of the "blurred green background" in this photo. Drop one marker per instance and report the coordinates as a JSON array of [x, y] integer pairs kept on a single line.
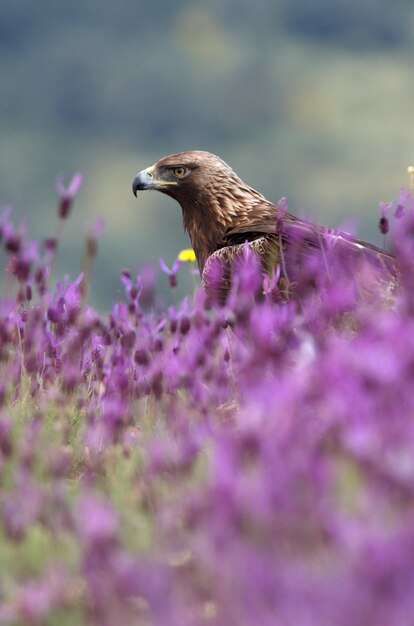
[[312, 100]]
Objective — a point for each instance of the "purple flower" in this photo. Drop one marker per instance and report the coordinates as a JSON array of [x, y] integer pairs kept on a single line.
[[37, 599], [96, 520], [384, 208], [272, 441], [6, 445], [68, 193], [399, 211], [22, 508], [171, 273], [384, 225]]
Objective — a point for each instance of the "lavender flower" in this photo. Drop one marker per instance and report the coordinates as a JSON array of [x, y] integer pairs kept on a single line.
[[67, 194], [240, 463], [384, 207], [171, 272]]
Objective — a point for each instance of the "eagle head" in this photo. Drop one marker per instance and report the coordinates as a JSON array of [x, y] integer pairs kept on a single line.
[[186, 176], [214, 200]]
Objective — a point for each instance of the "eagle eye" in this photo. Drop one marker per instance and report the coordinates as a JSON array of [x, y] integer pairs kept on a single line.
[[180, 172]]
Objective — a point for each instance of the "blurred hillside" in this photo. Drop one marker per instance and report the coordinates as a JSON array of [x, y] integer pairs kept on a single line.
[[312, 101]]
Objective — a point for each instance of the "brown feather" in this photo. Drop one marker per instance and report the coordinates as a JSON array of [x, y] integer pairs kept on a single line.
[[221, 213]]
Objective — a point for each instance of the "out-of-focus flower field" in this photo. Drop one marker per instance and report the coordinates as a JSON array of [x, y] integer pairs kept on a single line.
[[251, 464]]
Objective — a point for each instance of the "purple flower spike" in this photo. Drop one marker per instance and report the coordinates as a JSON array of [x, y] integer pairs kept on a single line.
[[384, 208], [96, 520], [171, 273], [399, 211], [268, 437], [98, 227], [72, 189], [68, 193], [37, 599]]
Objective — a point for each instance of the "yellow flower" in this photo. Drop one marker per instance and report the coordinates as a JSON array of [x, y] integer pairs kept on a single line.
[[410, 170], [187, 255]]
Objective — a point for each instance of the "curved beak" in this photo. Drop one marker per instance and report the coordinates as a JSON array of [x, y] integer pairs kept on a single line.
[[142, 181]]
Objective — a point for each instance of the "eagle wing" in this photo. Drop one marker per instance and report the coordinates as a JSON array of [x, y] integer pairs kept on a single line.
[[279, 238], [219, 266]]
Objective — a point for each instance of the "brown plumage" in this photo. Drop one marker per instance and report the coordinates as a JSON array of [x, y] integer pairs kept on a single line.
[[221, 213]]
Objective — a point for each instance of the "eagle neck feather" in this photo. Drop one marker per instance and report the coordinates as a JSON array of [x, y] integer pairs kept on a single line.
[[213, 211], [200, 219]]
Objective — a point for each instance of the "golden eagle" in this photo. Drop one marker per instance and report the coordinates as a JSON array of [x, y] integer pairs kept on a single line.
[[221, 213]]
